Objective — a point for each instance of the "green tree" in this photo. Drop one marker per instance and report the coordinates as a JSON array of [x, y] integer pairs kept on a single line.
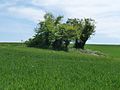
[[77, 26], [83, 29], [49, 34], [53, 33], [44, 33], [65, 34], [87, 29]]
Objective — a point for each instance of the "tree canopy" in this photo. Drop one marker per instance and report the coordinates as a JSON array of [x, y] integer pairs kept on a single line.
[[52, 33]]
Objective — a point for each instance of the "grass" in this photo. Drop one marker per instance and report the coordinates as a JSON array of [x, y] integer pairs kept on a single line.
[[23, 68], [110, 50]]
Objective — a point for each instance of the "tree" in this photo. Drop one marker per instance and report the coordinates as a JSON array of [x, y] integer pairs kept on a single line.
[[50, 34], [87, 29], [64, 35], [76, 24], [53, 33], [44, 32]]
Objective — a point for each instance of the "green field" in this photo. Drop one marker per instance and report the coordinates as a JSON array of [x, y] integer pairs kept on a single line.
[[110, 50], [23, 68]]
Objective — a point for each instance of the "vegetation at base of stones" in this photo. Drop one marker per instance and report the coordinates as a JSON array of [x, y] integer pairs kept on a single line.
[[52, 33], [91, 52]]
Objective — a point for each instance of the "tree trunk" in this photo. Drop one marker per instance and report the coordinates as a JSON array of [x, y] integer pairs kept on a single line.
[[67, 42], [57, 44], [77, 44], [83, 42]]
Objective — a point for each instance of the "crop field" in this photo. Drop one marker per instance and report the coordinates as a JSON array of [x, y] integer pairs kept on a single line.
[[23, 68], [110, 50]]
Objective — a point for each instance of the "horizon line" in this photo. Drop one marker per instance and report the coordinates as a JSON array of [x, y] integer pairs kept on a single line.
[[86, 43]]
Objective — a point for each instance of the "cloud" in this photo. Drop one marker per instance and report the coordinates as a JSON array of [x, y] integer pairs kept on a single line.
[[5, 5], [45, 2], [27, 13], [105, 12]]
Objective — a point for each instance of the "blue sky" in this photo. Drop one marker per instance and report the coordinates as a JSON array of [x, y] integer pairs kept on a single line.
[[18, 18]]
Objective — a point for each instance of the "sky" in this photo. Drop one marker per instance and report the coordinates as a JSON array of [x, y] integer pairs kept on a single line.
[[18, 18]]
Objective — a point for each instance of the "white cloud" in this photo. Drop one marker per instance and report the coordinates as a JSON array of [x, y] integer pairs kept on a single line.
[[6, 4], [105, 12], [45, 2], [27, 13]]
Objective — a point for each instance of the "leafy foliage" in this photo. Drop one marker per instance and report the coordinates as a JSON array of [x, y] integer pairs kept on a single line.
[[87, 29], [53, 33]]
